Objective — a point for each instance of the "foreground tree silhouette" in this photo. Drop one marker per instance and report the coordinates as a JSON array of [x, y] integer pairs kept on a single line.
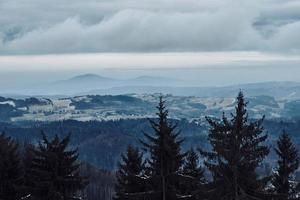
[[55, 171], [192, 169], [237, 150], [28, 157], [288, 163], [130, 174], [165, 157], [11, 173]]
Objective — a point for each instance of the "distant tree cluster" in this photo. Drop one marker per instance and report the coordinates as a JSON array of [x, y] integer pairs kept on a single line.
[[49, 171], [161, 171]]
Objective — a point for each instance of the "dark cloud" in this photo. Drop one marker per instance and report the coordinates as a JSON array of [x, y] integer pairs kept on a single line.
[[42, 27]]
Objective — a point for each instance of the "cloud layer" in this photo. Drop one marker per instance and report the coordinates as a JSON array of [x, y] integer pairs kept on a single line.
[[51, 27]]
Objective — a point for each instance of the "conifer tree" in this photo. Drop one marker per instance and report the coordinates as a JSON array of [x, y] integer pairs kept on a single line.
[[192, 169], [237, 150], [130, 174], [165, 156], [28, 157], [11, 173], [55, 171], [288, 163]]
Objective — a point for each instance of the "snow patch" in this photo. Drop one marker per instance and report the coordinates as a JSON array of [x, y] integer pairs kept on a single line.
[[9, 103]]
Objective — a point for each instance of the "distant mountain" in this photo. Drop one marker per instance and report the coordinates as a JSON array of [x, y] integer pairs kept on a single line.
[[96, 84], [86, 81], [89, 82], [278, 90], [138, 81], [89, 77], [73, 85]]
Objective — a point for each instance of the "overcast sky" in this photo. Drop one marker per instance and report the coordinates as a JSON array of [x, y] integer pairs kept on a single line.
[[85, 26], [124, 38]]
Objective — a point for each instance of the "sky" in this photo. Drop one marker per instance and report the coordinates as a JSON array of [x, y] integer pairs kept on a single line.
[[92, 35], [86, 26]]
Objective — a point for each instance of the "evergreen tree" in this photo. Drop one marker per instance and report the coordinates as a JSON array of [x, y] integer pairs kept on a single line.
[[28, 157], [55, 171], [237, 150], [130, 178], [165, 157], [192, 169], [288, 163], [11, 173]]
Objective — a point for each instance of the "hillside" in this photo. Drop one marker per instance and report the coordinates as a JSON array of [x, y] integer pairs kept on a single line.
[[137, 106]]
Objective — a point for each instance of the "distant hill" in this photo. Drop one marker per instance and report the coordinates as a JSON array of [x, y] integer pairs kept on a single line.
[[137, 106], [89, 77], [89, 82], [94, 84], [279, 90], [83, 83]]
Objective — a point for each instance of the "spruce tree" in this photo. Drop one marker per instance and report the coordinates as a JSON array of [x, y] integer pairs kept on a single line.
[[237, 150], [192, 169], [130, 180], [28, 157], [55, 171], [288, 163], [165, 156], [11, 173]]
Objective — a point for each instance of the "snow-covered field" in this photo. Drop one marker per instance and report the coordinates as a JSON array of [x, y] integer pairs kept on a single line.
[[85, 108]]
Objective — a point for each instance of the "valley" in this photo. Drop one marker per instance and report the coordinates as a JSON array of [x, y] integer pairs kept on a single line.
[[137, 106]]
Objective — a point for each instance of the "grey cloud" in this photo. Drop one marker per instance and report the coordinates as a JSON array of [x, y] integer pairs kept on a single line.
[[32, 27], [287, 38]]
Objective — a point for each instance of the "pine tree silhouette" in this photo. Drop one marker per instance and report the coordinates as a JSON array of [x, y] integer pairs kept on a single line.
[[165, 156], [191, 168], [55, 171], [288, 163], [130, 180], [28, 157], [11, 173], [237, 150]]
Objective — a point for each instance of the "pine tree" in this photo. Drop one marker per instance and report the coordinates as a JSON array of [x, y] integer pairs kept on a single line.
[[28, 157], [288, 163], [130, 174], [237, 150], [55, 171], [11, 173], [192, 169], [165, 156]]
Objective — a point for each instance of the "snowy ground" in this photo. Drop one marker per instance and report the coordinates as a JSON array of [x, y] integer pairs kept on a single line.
[[179, 107]]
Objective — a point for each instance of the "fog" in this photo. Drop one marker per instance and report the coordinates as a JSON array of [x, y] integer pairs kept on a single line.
[[193, 69]]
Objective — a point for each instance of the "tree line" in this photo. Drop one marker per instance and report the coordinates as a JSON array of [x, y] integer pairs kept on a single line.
[[226, 171], [48, 171], [161, 170]]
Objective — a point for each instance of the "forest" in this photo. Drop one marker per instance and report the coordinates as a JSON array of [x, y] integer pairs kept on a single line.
[[237, 159]]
